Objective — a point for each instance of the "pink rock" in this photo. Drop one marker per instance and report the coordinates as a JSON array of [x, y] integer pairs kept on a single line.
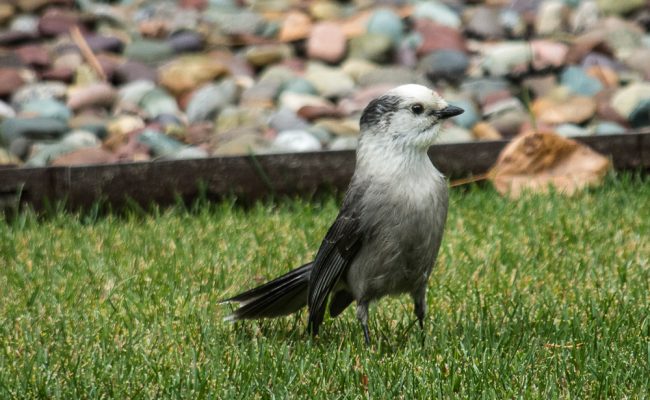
[[85, 156], [34, 55], [61, 74], [547, 53], [56, 22], [326, 42], [438, 37], [10, 81], [97, 94]]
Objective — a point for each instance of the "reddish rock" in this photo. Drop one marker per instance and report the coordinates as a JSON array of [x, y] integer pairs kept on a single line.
[[547, 53], [86, 156], [94, 95], [296, 26], [62, 74], [438, 37], [200, 133], [326, 42], [34, 55], [56, 22], [194, 4], [311, 113], [604, 109], [10, 81], [593, 41]]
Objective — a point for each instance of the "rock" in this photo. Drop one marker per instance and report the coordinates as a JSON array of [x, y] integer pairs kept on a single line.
[[148, 51], [6, 12], [260, 95], [623, 37], [20, 147], [609, 128], [120, 128], [12, 38], [640, 116], [606, 76], [263, 55], [34, 55], [339, 127], [512, 23], [100, 44], [10, 80], [485, 131], [449, 65], [481, 89], [245, 143], [372, 47], [344, 143], [454, 134], [550, 17], [44, 154], [638, 61], [6, 111], [296, 140], [232, 117], [438, 13], [159, 143], [325, 10], [48, 108], [31, 128], [392, 75], [571, 130], [326, 42], [186, 73], [158, 101], [287, 120], [626, 100], [56, 22], [94, 95], [619, 7], [39, 91], [509, 121], [131, 94], [548, 54], [330, 82], [186, 41], [311, 113], [85, 156], [579, 82], [355, 68], [576, 109], [210, 99], [65, 75], [299, 85], [296, 101], [438, 37], [507, 58], [483, 22], [540, 86], [189, 153], [6, 158], [24, 23], [296, 26], [134, 71], [386, 22], [588, 43], [585, 17]]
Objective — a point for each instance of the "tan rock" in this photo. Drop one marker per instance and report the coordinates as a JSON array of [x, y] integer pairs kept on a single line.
[[485, 131], [296, 26], [186, 73], [535, 161], [326, 42], [86, 156], [577, 110]]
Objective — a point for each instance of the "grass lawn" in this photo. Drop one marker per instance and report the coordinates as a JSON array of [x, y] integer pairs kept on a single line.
[[541, 298]]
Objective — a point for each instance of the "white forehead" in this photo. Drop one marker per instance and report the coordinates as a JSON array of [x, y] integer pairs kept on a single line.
[[416, 93]]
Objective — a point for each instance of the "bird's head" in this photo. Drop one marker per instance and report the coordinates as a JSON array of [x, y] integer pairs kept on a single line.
[[408, 116]]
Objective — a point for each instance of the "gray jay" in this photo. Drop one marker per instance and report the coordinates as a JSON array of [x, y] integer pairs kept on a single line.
[[386, 237]]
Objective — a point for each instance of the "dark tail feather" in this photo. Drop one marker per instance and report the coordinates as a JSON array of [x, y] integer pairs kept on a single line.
[[281, 296]]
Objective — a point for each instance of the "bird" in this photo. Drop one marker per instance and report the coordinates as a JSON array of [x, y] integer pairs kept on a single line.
[[386, 237]]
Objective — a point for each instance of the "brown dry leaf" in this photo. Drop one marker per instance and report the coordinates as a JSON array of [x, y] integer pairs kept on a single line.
[[534, 161]]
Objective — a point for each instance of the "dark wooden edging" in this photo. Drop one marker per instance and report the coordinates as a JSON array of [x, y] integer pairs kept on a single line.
[[253, 177]]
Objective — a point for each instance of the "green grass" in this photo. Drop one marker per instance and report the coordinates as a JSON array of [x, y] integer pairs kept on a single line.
[[545, 297]]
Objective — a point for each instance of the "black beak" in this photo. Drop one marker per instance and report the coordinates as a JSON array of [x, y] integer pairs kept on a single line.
[[448, 112]]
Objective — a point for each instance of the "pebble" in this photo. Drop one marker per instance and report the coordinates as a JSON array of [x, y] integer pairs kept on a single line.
[[609, 128], [94, 95], [287, 120], [434, 37], [10, 80], [344, 143], [550, 17], [207, 101], [37, 128], [6, 111], [187, 73], [296, 141], [44, 153], [47, 108], [454, 134], [437, 12], [640, 116], [387, 22], [485, 131], [148, 51], [579, 82], [296, 26], [448, 65], [571, 130], [85, 156], [39, 91], [158, 101], [484, 22], [329, 81], [626, 99], [576, 109], [326, 42], [507, 58], [374, 47], [263, 55], [159, 143]]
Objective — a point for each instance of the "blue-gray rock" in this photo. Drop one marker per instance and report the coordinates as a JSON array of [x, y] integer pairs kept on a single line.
[[640, 116], [508, 57], [344, 143], [471, 115], [32, 128], [285, 120], [134, 71], [484, 22], [512, 23], [167, 120], [448, 65], [296, 140], [579, 82], [437, 12], [483, 87], [133, 92], [20, 147], [160, 144], [100, 44], [186, 41], [375, 47], [6, 111], [208, 100], [24, 23], [47, 108], [386, 22], [571, 130], [609, 128], [158, 101], [148, 51], [44, 153], [235, 22], [299, 85]]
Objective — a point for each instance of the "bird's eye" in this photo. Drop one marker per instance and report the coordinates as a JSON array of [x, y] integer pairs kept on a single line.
[[417, 109]]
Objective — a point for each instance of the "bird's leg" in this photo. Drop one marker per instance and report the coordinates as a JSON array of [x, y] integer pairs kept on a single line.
[[420, 301], [362, 316]]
